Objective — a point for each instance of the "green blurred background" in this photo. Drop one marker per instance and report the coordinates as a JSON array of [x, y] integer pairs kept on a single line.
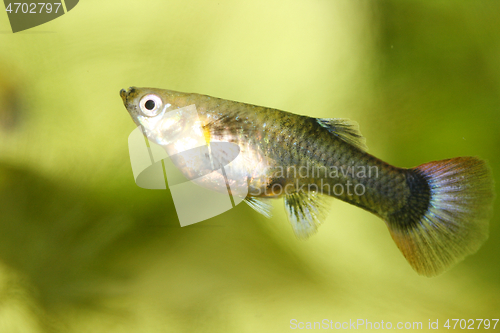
[[83, 249]]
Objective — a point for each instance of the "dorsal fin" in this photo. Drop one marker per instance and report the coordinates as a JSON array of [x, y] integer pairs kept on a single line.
[[345, 129]]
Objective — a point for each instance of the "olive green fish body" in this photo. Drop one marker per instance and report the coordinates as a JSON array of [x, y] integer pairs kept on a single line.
[[303, 154], [437, 213]]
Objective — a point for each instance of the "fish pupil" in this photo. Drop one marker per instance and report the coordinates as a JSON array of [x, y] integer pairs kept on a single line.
[[150, 105]]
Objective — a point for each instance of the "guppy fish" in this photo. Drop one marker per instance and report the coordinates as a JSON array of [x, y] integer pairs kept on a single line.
[[437, 213]]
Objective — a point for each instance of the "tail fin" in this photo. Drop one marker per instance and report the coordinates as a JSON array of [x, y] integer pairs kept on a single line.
[[446, 216]]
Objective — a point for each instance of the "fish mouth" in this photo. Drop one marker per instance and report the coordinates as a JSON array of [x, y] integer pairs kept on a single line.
[[128, 95], [129, 100], [123, 95]]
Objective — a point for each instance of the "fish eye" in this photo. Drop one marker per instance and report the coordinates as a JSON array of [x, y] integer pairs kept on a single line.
[[151, 105]]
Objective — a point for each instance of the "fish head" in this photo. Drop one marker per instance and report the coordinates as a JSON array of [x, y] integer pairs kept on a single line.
[[144, 104], [162, 120]]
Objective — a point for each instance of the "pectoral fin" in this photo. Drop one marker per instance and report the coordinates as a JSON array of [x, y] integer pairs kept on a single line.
[[262, 206]]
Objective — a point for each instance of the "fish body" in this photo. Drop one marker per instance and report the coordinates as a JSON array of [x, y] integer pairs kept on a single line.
[[437, 213]]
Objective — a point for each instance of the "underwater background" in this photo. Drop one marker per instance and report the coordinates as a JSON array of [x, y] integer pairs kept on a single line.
[[84, 249]]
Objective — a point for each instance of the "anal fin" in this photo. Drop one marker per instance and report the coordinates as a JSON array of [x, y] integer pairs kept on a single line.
[[305, 211]]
